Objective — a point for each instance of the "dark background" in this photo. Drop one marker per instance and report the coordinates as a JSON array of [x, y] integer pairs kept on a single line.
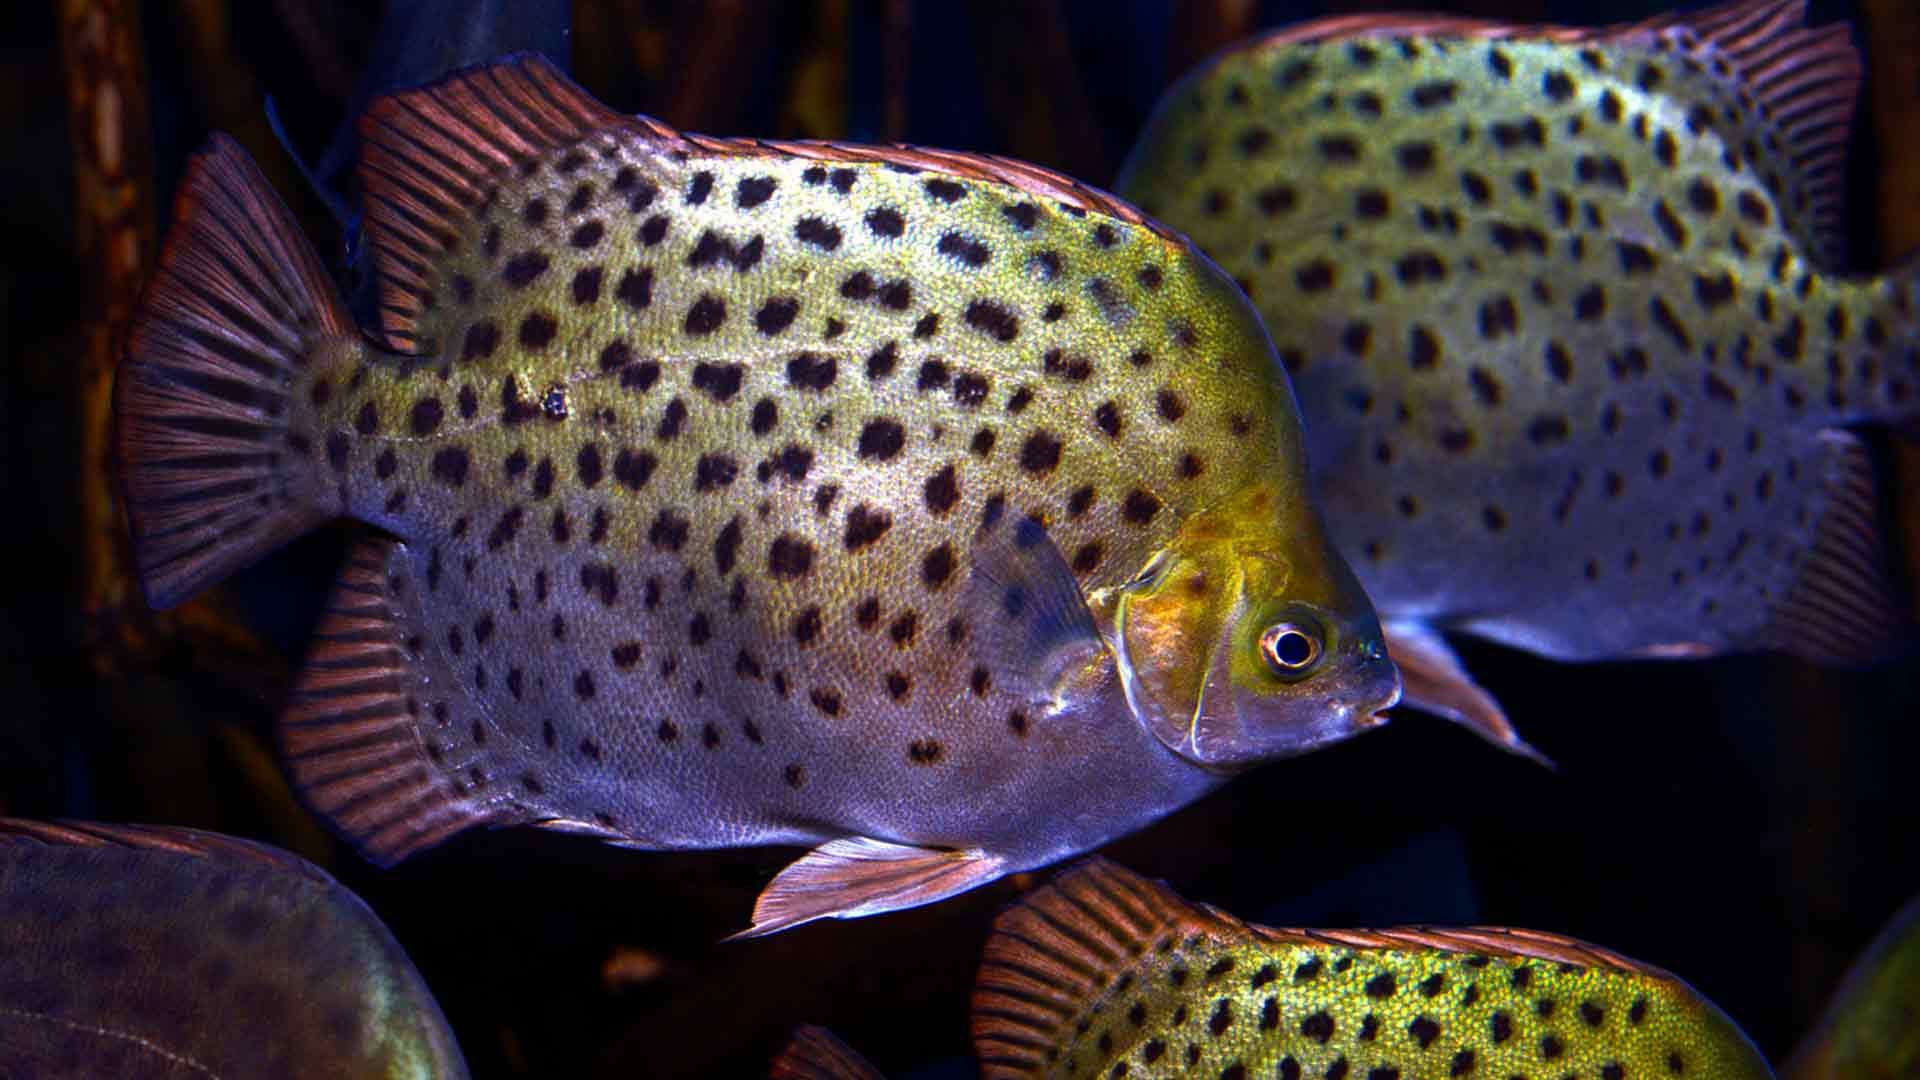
[[1747, 823]]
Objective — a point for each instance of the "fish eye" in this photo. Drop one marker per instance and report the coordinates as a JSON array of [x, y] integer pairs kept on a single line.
[[1291, 648]]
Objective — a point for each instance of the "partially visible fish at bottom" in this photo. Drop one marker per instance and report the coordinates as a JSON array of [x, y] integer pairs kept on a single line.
[[171, 953], [1104, 973], [1871, 1027]]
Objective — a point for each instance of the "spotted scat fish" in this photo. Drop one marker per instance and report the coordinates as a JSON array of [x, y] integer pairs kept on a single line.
[[171, 953], [929, 508], [1103, 973], [1871, 1027], [1577, 369]]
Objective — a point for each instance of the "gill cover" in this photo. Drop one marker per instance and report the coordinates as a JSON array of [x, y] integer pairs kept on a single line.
[[1193, 631]]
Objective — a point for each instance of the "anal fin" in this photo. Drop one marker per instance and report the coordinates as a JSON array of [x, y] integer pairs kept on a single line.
[[815, 1054], [1433, 680], [858, 876], [1842, 607], [351, 732]]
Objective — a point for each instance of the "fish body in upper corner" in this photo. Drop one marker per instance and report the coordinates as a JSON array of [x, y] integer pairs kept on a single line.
[[132, 950], [1871, 1027], [930, 508], [1103, 973], [1565, 310]]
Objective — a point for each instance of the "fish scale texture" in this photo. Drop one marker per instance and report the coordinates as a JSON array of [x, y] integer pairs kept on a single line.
[[1562, 316], [690, 489]]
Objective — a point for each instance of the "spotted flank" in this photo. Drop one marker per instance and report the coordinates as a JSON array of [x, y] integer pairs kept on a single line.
[[1568, 317], [1103, 973], [735, 492], [124, 950]]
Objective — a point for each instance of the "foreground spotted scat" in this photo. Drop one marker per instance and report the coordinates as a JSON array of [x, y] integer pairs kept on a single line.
[[132, 950], [898, 501], [1566, 318], [1103, 974]]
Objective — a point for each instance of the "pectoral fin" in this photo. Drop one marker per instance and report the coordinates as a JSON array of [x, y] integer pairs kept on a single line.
[[1434, 680], [1031, 625], [858, 876]]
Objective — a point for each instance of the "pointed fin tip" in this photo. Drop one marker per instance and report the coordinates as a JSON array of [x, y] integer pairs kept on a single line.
[[212, 479], [1434, 680], [1807, 80], [857, 876], [1055, 952], [814, 1053], [349, 732]]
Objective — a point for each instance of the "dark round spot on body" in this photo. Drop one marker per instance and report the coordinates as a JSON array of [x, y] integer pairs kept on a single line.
[[790, 556], [882, 438], [449, 466], [587, 465], [937, 567], [537, 330], [1040, 453], [776, 315], [886, 223], [993, 319], [706, 314], [587, 235], [425, 417], [523, 269]]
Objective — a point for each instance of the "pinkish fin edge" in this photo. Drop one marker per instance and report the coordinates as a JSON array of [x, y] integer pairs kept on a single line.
[[349, 732], [1433, 680], [215, 475], [814, 1053], [858, 876]]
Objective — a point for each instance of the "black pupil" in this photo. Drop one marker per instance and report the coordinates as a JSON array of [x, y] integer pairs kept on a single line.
[[1292, 648]]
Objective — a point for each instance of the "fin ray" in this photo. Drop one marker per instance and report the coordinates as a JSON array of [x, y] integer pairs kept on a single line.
[[237, 306], [856, 876], [1058, 950], [814, 1053], [349, 731], [169, 838], [1843, 607], [1434, 680]]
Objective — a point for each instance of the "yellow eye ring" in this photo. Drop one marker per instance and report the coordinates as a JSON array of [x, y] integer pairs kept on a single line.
[[1290, 649]]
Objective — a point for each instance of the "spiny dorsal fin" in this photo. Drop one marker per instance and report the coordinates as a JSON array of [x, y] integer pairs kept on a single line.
[[192, 843], [1499, 942], [1803, 82], [1060, 949], [433, 154], [815, 1054], [429, 156]]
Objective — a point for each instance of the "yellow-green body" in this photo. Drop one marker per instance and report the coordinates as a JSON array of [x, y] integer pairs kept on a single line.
[[1565, 316], [1105, 974], [752, 493]]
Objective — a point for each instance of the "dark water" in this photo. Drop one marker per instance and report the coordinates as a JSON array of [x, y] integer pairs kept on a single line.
[[1747, 823]]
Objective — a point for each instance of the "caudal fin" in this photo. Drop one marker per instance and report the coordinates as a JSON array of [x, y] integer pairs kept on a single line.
[[217, 470]]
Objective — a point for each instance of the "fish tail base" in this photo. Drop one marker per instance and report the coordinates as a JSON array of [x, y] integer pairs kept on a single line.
[[368, 740], [218, 469]]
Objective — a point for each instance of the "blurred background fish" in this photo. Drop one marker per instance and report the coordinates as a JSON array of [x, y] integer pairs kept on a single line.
[[130, 950], [1871, 1026], [1585, 371], [1764, 798]]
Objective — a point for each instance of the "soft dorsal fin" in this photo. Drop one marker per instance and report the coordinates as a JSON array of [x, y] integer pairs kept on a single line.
[[1053, 954], [433, 154], [192, 843], [1802, 82], [815, 1053]]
